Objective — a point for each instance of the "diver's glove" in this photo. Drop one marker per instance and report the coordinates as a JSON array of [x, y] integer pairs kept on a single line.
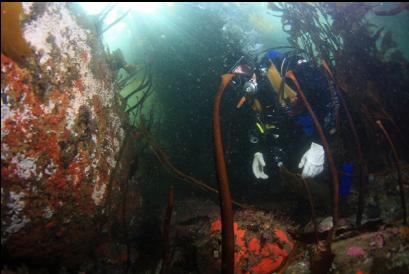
[[258, 164], [312, 161]]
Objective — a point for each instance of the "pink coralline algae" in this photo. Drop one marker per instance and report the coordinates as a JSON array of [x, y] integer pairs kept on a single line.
[[355, 251]]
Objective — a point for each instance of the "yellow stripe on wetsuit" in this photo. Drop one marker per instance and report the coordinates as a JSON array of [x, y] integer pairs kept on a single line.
[[276, 81], [260, 128]]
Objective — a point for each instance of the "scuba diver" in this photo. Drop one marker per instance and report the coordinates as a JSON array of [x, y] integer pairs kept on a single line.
[[283, 132]]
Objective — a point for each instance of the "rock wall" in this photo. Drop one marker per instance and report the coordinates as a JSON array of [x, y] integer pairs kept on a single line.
[[61, 132]]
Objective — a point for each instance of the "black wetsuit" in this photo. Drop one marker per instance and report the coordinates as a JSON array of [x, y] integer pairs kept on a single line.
[[285, 139]]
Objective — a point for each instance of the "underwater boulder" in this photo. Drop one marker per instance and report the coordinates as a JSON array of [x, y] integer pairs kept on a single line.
[[61, 131]]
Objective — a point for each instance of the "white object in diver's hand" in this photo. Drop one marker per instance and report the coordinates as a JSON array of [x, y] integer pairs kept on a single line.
[[313, 161], [258, 164]]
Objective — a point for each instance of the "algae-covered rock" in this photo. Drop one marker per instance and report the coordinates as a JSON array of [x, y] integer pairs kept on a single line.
[[61, 131]]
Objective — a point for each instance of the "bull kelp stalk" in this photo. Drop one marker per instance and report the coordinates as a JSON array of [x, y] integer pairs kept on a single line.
[[363, 178], [223, 180], [335, 181], [166, 253], [396, 160], [311, 203]]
